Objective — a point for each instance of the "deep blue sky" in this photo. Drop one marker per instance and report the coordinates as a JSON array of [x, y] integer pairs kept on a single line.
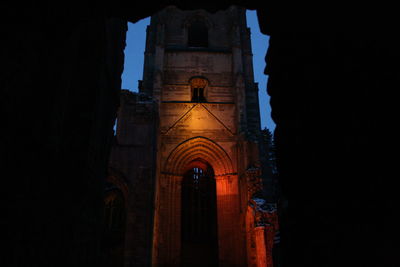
[[134, 55]]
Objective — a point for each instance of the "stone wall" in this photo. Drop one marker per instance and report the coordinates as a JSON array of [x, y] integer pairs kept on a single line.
[[134, 154], [332, 82]]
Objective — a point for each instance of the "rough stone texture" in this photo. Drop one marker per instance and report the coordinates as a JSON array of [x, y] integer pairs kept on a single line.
[[218, 132], [332, 82], [133, 154]]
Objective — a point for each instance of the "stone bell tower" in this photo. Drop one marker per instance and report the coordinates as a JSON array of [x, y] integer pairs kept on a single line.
[[187, 147], [198, 69]]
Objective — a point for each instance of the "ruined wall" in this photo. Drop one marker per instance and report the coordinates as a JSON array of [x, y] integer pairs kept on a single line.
[[332, 82], [134, 154]]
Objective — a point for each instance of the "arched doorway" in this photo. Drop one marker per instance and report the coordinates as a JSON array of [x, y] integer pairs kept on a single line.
[[219, 179], [199, 216]]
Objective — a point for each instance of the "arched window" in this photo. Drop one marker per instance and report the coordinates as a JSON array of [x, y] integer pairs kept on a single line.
[[198, 34]]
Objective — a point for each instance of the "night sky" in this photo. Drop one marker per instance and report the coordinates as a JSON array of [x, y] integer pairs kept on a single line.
[[134, 56]]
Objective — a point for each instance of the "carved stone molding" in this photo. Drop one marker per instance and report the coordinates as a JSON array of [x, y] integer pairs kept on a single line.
[[199, 148]]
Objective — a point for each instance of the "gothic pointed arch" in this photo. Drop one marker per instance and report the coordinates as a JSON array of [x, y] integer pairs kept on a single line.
[[198, 148]]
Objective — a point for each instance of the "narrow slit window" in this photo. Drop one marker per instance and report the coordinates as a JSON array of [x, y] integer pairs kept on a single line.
[[198, 95], [198, 86]]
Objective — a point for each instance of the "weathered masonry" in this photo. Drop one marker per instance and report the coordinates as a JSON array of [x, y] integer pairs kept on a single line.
[[197, 114]]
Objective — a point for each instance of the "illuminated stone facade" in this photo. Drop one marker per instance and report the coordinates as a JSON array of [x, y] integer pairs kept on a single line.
[[197, 112], [333, 74]]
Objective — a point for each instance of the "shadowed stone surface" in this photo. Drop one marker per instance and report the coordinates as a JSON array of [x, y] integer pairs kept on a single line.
[[332, 77]]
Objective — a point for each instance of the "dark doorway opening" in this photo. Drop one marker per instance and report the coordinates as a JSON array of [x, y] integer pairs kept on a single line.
[[199, 218]]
